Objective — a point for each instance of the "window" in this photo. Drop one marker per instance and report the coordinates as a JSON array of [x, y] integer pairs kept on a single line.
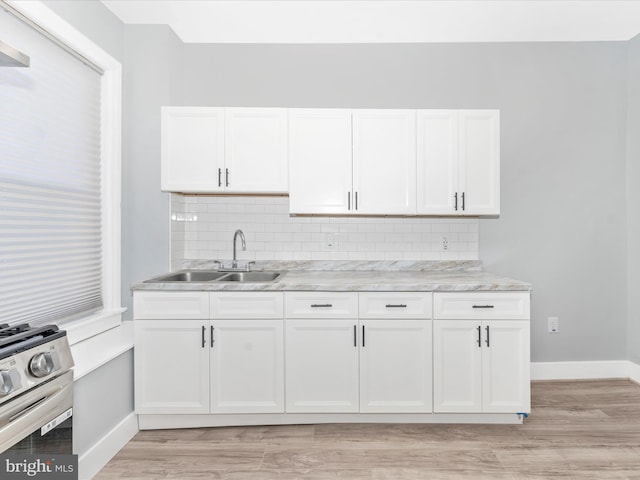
[[59, 182]]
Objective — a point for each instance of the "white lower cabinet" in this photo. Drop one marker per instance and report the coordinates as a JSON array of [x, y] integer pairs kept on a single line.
[[395, 366], [221, 366], [171, 367], [195, 366], [305, 354], [378, 364], [247, 366], [321, 365], [347, 366], [481, 366], [506, 377]]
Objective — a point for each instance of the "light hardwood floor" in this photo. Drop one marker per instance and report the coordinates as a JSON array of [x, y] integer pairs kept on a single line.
[[577, 430]]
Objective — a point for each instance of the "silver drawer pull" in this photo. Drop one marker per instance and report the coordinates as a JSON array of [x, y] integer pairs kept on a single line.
[[321, 305], [399, 305], [482, 306]]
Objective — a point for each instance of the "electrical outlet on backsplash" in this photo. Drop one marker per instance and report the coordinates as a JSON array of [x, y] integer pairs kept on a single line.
[[202, 227]]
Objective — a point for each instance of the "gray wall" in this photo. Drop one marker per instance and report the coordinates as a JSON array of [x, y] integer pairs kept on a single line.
[[95, 21], [152, 77], [633, 200], [102, 399], [563, 108]]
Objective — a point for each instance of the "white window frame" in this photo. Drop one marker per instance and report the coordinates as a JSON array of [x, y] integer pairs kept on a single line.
[[111, 83]]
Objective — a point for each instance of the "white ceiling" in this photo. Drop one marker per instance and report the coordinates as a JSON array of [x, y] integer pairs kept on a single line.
[[382, 21]]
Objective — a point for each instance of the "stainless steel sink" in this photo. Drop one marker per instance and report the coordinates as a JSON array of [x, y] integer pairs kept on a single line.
[[246, 277], [189, 276]]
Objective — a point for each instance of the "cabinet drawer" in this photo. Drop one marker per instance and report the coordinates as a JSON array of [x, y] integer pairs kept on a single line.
[[248, 305], [490, 305], [321, 305], [168, 305], [395, 305]]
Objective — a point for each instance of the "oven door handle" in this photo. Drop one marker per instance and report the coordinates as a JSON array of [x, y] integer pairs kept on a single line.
[[31, 411], [27, 409]]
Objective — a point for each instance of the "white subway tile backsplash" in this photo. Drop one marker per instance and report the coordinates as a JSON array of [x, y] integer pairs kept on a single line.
[[207, 224]]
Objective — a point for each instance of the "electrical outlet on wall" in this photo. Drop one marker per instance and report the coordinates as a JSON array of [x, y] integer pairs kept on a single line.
[[445, 243], [330, 241], [553, 324]]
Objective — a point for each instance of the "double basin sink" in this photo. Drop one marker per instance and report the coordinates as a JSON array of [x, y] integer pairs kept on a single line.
[[210, 276]]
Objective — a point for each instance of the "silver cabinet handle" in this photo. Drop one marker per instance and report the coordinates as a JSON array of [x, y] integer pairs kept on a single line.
[[479, 336], [219, 177], [362, 336], [487, 329], [482, 306], [455, 205], [321, 305], [348, 200], [356, 200], [212, 340], [226, 177], [355, 336], [399, 305], [203, 340], [462, 201]]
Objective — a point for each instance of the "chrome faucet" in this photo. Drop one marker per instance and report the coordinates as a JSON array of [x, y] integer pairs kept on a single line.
[[234, 264]]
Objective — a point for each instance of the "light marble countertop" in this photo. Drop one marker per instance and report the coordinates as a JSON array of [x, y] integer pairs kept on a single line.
[[388, 277]]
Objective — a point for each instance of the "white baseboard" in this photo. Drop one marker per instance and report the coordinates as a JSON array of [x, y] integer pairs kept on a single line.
[[634, 372], [585, 370], [99, 455]]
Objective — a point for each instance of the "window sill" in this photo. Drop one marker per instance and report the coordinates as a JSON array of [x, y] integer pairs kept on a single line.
[[97, 340], [85, 328]]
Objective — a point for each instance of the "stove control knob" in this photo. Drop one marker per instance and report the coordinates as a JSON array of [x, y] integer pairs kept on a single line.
[[42, 364], [9, 381]]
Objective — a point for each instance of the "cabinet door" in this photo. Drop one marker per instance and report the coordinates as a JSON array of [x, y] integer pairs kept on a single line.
[[384, 161], [192, 153], [395, 366], [256, 150], [437, 165], [479, 161], [247, 366], [319, 161], [171, 366], [505, 366], [321, 365], [457, 366]]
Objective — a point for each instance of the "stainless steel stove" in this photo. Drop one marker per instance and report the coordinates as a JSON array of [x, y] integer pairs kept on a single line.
[[36, 390]]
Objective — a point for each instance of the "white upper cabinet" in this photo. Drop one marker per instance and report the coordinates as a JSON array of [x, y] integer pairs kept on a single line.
[[192, 148], [437, 164], [319, 161], [338, 161], [352, 162], [224, 150], [458, 162], [479, 160], [384, 162], [256, 150]]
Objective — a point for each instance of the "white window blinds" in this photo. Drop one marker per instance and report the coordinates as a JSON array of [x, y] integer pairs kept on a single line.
[[50, 195]]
